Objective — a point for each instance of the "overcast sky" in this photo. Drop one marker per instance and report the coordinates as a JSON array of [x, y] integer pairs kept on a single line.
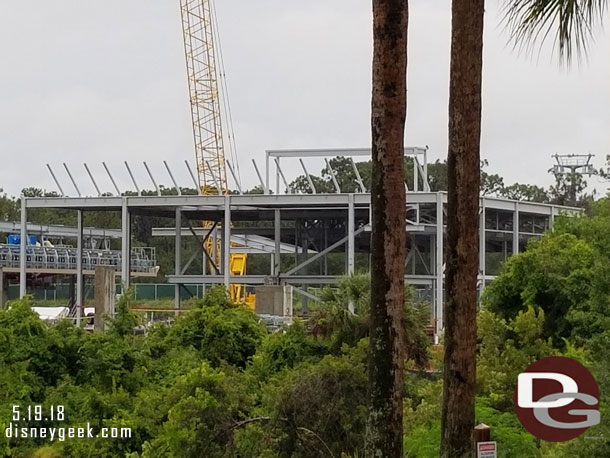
[[84, 81]]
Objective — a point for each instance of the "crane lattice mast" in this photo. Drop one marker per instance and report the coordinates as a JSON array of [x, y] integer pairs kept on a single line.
[[197, 26]]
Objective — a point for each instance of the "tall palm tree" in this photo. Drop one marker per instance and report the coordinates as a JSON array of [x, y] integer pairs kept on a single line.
[[388, 238], [572, 21], [461, 271]]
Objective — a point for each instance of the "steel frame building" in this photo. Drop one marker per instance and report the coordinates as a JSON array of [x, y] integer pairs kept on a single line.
[[311, 226]]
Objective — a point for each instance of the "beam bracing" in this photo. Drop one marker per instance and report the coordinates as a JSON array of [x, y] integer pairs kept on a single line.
[[277, 230], [277, 176], [171, 176], [358, 177], [178, 257], [322, 253], [438, 269], [125, 246], [516, 229], [116, 188], [22, 248], [281, 174], [226, 242], [260, 178], [61, 191], [133, 180], [152, 179], [332, 176], [80, 287], [313, 188], [97, 189], [193, 179]]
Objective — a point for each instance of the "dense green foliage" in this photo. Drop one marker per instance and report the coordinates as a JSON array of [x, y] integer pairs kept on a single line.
[[215, 383]]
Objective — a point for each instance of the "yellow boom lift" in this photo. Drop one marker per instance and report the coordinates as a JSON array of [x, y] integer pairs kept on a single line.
[[203, 70]]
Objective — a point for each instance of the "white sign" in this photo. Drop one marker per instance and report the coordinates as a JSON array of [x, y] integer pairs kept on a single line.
[[487, 450]]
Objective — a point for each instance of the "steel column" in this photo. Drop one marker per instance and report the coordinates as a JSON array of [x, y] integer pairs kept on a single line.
[[125, 245], [22, 248], [278, 240], [351, 250], [178, 257], [226, 242], [438, 269], [79, 267], [482, 244], [516, 229]]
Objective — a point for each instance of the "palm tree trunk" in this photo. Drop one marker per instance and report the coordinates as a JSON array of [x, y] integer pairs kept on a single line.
[[388, 239], [461, 270]]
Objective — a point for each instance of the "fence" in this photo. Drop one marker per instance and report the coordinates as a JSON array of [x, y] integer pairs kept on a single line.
[[143, 292]]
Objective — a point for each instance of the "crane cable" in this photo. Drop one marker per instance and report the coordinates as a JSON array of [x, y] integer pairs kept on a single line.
[[225, 99]]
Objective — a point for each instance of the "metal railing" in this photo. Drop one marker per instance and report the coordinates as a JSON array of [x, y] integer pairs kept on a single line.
[[143, 259]]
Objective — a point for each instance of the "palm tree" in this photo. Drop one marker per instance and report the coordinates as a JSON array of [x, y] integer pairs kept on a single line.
[[572, 20], [388, 222], [461, 271]]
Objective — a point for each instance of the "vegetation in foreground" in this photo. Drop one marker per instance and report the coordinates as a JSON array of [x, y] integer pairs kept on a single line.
[[216, 384]]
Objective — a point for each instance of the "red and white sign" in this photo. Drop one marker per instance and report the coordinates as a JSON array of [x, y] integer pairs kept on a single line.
[[487, 450]]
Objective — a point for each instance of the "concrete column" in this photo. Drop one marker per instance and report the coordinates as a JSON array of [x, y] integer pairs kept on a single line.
[[438, 268], [178, 257], [104, 296], [79, 267], [125, 245], [226, 242], [22, 248]]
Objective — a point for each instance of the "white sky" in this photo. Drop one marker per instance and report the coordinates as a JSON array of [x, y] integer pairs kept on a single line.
[[92, 81]]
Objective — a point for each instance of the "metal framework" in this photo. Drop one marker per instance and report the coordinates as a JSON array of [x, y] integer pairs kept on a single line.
[[314, 239]]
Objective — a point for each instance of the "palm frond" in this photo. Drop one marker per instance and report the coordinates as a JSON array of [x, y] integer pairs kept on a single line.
[[573, 22]]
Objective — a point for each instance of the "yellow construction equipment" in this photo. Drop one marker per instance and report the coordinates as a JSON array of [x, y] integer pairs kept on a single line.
[[200, 37]]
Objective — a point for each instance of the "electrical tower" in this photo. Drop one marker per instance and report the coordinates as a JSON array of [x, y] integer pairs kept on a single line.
[[573, 166]]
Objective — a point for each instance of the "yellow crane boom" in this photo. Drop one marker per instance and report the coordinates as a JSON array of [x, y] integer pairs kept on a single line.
[[202, 70]]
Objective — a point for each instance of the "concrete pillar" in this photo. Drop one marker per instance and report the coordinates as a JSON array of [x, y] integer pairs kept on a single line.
[[104, 296]]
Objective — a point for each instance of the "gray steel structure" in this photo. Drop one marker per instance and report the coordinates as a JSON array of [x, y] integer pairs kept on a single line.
[[315, 225], [505, 228]]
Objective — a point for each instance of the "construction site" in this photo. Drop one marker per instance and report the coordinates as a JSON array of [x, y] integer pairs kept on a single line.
[[227, 224]]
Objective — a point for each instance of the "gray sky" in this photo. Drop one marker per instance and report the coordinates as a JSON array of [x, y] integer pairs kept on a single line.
[[92, 81]]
